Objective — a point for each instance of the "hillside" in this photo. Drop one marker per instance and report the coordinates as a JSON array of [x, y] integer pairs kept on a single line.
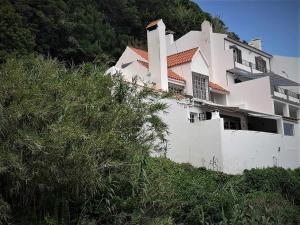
[[91, 30], [75, 152]]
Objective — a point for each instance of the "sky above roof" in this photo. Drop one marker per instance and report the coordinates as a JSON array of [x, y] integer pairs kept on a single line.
[[276, 22]]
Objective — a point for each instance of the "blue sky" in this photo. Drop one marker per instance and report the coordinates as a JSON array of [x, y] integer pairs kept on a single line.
[[276, 22]]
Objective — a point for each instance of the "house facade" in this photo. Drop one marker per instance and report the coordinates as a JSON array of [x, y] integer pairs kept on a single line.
[[235, 111]]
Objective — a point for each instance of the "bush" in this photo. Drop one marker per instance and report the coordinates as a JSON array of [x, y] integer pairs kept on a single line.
[[275, 179]]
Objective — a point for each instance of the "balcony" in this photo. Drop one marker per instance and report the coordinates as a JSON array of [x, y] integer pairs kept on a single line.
[[249, 66], [286, 94]]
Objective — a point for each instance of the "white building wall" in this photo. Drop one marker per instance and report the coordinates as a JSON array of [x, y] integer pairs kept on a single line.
[[185, 70], [128, 56], [186, 42], [222, 60], [136, 69], [247, 54], [208, 144], [196, 143], [288, 67], [199, 65], [243, 149], [252, 95]]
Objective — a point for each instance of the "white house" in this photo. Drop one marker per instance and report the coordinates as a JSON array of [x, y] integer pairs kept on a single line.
[[240, 106]]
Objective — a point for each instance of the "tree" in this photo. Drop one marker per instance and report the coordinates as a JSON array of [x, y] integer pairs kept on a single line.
[[14, 36]]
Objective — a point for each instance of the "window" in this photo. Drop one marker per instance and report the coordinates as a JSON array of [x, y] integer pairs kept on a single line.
[[200, 86], [174, 88], [192, 117], [236, 81], [288, 129], [261, 64], [237, 54], [202, 116], [232, 123]]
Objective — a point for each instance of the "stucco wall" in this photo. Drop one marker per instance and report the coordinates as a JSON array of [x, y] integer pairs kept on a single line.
[[184, 70], [222, 59], [197, 143], [288, 67], [136, 69], [187, 41], [127, 57], [250, 149], [252, 95], [199, 65], [207, 144], [247, 54]]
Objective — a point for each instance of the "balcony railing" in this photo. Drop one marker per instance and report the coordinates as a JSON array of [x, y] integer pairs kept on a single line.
[[286, 94], [252, 66]]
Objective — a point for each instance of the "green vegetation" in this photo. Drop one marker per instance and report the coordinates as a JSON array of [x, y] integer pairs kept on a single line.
[[75, 150], [75, 144], [91, 30]]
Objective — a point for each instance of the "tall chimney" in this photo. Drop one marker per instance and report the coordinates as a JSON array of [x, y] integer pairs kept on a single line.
[[256, 43], [157, 53], [169, 37]]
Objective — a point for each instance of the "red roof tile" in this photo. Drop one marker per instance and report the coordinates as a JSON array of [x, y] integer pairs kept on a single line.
[[140, 52], [217, 87], [171, 73], [174, 76], [173, 60], [181, 57], [145, 64], [153, 23]]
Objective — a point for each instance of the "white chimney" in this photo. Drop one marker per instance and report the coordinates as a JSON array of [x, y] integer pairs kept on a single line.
[[256, 43], [157, 53], [169, 37]]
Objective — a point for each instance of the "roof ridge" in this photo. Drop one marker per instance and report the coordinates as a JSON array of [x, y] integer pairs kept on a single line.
[[183, 51], [172, 60]]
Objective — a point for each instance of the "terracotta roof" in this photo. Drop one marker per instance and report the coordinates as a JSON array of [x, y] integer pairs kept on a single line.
[[181, 57], [140, 52], [171, 73], [145, 64], [152, 23], [174, 76], [217, 87], [173, 60]]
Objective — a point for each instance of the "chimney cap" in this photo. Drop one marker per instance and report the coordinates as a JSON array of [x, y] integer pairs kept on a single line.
[[256, 39], [153, 23], [170, 32]]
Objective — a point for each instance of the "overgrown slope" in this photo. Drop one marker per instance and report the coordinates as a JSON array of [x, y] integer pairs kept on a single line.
[[74, 149]]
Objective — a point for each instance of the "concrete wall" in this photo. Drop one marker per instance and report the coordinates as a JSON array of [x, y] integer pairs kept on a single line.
[[252, 95], [127, 57], [186, 42], [185, 70], [136, 69], [250, 149], [247, 54], [199, 65], [222, 60], [207, 144], [197, 143], [288, 67]]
